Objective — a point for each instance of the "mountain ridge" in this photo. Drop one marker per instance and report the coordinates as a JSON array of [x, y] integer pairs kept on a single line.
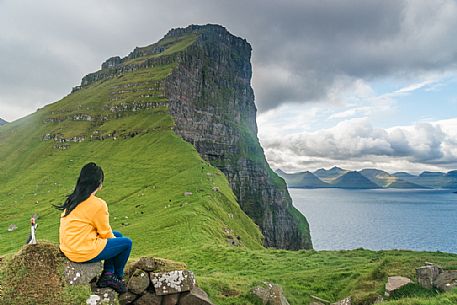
[[3, 122], [381, 179], [354, 179], [302, 180]]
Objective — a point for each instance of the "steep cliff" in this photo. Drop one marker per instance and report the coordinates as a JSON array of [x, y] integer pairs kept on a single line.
[[212, 102]]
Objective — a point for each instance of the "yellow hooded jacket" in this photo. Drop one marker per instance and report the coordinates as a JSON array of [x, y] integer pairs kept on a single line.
[[83, 233]]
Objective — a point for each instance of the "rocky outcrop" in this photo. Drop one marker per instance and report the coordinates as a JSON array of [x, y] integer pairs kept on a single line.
[[426, 275], [433, 276], [212, 102], [158, 281], [41, 274], [2, 122]]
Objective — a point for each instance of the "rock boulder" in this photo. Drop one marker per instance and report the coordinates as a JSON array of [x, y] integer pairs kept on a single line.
[[148, 299], [77, 273], [154, 264], [446, 280], [395, 283], [270, 294], [173, 282], [433, 276], [138, 282], [426, 275], [195, 297]]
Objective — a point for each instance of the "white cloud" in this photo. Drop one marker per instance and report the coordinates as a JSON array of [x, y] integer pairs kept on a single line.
[[355, 143]]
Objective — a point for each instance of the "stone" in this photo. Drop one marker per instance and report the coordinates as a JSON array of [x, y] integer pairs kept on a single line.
[[394, 283], [12, 227], [270, 294], [173, 282], [127, 298], [446, 280], [170, 299], [81, 273], [93, 299], [187, 193], [345, 301], [426, 275], [195, 297], [106, 296], [148, 299], [138, 282], [154, 264]]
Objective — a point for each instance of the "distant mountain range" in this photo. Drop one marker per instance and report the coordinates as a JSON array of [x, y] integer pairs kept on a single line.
[[369, 178], [2, 122]]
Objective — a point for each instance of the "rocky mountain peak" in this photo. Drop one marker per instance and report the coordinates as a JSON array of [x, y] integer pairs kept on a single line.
[[193, 28], [212, 103]]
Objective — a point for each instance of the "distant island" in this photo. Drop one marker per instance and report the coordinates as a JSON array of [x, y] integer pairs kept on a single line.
[[369, 178]]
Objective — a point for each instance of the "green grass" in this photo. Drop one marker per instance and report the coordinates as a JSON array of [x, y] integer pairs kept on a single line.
[[331, 275], [172, 45], [146, 177]]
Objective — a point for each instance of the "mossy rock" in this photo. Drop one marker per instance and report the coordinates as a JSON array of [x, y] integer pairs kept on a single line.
[[155, 264], [35, 275]]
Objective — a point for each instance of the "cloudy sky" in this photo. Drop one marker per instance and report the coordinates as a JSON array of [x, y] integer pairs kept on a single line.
[[352, 83]]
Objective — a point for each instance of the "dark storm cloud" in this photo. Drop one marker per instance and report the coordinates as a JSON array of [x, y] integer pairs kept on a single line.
[[302, 50]]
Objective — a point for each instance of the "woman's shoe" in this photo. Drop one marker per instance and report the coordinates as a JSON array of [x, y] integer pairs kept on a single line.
[[108, 279]]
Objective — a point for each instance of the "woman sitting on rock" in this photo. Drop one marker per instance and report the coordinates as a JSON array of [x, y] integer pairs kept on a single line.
[[85, 234]]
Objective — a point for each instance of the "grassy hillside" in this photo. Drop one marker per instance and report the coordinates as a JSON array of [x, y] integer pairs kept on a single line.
[[123, 124], [146, 179]]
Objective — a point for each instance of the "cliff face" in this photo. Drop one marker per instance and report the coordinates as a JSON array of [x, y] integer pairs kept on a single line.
[[212, 102]]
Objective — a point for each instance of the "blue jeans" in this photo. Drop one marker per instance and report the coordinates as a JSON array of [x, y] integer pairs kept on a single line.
[[115, 254]]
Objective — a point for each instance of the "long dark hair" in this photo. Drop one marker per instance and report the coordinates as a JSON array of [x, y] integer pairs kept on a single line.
[[90, 178]]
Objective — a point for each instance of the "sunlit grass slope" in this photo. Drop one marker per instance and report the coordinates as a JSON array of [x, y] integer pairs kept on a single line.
[[146, 177]]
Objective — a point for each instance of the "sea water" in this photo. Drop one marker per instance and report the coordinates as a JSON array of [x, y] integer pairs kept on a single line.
[[422, 220]]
